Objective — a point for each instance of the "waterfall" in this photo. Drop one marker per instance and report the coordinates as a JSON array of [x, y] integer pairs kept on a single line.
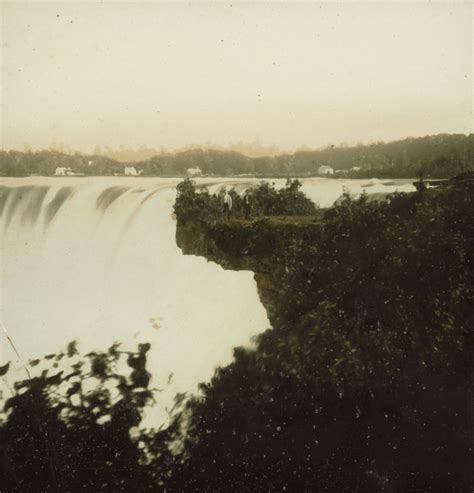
[[95, 259]]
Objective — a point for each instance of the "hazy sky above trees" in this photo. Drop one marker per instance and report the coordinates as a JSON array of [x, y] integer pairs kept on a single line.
[[290, 74]]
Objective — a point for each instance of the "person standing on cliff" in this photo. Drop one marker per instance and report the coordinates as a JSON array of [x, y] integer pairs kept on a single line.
[[227, 205], [247, 205]]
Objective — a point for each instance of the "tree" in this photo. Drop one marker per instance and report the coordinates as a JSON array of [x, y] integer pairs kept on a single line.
[[58, 435]]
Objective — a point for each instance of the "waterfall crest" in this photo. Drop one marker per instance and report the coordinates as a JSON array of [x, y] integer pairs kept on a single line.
[[96, 260]]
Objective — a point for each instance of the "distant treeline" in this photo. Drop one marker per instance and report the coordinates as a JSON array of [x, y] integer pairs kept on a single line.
[[439, 156], [129, 155]]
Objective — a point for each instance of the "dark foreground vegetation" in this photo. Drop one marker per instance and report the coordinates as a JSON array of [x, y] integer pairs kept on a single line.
[[364, 383], [439, 156]]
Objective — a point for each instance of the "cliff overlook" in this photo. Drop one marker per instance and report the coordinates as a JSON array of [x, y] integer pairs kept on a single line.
[[362, 383], [262, 246]]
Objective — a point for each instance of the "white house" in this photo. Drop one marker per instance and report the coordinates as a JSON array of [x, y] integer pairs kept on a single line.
[[325, 170], [60, 172], [194, 171], [131, 171], [64, 172]]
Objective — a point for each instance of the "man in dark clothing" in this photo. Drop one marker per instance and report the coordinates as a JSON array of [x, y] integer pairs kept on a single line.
[[247, 205], [227, 205]]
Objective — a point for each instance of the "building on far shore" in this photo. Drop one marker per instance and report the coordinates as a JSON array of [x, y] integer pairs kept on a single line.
[[194, 171], [325, 170], [131, 171], [61, 171]]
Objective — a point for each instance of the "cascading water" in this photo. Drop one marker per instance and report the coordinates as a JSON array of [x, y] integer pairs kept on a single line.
[[96, 260]]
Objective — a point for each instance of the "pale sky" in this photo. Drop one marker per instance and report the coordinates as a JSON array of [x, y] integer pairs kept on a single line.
[[291, 74]]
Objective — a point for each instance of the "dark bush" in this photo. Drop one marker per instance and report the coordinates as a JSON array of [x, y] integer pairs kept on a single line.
[[59, 436]]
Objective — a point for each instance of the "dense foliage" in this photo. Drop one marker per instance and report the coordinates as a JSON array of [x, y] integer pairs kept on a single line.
[[70, 429], [364, 384], [437, 156], [264, 200]]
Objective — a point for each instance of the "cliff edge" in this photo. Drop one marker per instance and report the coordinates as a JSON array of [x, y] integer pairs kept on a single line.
[[263, 246]]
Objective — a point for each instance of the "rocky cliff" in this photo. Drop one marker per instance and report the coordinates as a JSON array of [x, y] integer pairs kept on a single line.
[[264, 247]]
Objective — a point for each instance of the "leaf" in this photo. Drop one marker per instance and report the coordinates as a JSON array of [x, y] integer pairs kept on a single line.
[[74, 389], [72, 349], [4, 369]]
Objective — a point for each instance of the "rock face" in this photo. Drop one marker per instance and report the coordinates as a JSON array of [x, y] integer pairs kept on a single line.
[[264, 247]]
